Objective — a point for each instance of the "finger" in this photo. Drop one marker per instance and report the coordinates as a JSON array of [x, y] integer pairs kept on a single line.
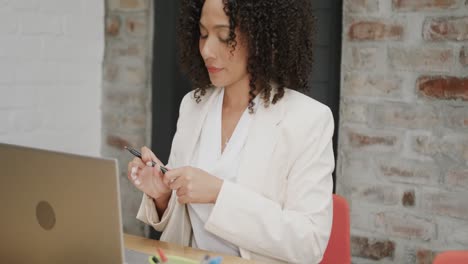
[[131, 168], [148, 155], [131, 164], [136, 166], [172, 175], [150, 164], [157, 172], [138, 163], [132, 175], [177, 183], [181, 191], [145, 173], [183, 199], [135, 176], [137, 182]]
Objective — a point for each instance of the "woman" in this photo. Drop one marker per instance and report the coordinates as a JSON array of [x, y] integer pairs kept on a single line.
[[251, 161]]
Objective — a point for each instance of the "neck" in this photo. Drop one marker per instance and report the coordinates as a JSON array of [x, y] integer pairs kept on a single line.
[[236, 96]]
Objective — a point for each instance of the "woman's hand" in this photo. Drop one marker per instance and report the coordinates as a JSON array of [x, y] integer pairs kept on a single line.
[[146, 178], [193, 185]]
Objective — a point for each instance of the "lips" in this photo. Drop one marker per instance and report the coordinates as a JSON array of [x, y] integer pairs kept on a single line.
[[213, 69]]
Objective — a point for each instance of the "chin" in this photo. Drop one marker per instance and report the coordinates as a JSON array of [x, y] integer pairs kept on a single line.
[[217, 83]]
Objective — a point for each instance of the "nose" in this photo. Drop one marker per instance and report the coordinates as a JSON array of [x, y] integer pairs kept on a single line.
[[207, 48]]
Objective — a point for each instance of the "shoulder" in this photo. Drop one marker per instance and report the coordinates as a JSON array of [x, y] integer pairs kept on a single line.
[[303, 111]]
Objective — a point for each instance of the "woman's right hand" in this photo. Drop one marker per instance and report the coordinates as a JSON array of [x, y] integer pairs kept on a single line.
[[146, 178]]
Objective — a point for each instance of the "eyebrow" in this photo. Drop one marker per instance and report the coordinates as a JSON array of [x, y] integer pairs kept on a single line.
[[216, 26]]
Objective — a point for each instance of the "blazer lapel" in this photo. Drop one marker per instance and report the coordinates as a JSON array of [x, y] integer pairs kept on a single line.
[[261, 140], [191, 127]]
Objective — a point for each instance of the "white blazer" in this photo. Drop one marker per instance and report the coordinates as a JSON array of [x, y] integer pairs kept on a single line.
[[280, 208]]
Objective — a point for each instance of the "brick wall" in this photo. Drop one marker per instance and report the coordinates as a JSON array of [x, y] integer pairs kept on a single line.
[[50, 74], [403, 146], [126, 103]]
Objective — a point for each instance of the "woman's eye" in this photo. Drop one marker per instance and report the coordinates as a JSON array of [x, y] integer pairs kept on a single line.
[[203, 36]]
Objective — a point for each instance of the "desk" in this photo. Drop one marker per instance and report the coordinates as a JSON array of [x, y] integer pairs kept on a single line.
[[149, 246]]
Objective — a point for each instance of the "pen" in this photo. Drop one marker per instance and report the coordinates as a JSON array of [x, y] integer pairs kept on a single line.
[[136, 153]]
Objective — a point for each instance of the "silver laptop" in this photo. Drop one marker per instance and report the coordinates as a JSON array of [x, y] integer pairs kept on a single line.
[[58, 208]]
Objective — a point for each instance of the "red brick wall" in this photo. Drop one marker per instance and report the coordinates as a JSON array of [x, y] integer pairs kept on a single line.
[[126, 95], [403, 146]]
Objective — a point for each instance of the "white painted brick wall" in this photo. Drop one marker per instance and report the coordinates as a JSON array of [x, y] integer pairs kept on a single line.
[[403, 146], [51, 54]]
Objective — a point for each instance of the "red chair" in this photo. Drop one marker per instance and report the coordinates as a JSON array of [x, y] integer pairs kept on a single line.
[[339, 246], [452, 257]]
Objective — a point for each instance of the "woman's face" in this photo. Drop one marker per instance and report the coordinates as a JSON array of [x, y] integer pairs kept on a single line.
[[224, 68]]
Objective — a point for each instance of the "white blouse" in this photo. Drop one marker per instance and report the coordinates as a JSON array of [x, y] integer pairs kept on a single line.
[[224, 165]]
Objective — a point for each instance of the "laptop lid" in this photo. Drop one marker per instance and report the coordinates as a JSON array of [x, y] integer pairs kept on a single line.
[[58, 207]]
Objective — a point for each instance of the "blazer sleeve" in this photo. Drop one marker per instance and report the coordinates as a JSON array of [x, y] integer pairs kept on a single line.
[[297, 231], [147, 212]]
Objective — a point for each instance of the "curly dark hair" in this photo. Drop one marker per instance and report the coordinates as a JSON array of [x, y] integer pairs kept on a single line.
[[279, 34]]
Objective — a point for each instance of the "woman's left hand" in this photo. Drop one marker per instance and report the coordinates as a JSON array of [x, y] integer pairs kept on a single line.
[[193, 185]]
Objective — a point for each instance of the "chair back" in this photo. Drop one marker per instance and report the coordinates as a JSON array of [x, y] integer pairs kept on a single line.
[[452, 257], [339, 246]]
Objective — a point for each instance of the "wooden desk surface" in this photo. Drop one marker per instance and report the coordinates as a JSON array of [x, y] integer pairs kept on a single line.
[[149, 246]]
